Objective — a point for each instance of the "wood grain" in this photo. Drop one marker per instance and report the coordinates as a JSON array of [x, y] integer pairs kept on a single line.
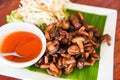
[[5, 8], [7, 5]]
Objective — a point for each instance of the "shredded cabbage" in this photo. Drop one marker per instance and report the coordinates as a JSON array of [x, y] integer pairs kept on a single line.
[[40, 11]]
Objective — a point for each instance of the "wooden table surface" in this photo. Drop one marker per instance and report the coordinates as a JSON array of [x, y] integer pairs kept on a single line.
[[7, 5]]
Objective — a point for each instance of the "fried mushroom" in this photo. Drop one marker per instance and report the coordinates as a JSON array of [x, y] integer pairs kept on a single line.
[[69, 69], [106, 38], [75, 21], [52, 46], [80, 63], [73, 50], [79, 41]]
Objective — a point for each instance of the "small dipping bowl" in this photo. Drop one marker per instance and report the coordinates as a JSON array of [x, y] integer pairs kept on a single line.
[[21, 26]]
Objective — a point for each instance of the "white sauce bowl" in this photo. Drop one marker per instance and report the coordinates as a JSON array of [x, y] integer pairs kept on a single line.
[[21, 26]]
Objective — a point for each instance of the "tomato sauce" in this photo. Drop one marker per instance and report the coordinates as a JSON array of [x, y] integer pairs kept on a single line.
[[26, 44]]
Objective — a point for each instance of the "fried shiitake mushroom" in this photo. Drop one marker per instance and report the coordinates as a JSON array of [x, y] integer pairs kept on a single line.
[[106, 38], [52, 46], [71, 44], [80, 63], [73, 50], [75, 21], [79, 41]]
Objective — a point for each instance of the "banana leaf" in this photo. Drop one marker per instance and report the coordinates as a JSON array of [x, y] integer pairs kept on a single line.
[[89, 72]]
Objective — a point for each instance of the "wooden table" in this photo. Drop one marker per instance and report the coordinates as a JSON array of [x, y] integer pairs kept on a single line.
[[7, 5]]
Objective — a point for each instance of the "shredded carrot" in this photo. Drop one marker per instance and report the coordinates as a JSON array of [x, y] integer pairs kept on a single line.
[[26, 1], [48, 11]]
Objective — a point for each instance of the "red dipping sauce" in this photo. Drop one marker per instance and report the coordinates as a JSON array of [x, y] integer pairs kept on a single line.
[[25, 44]]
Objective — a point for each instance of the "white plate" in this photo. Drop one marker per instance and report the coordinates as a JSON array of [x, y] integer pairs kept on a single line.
[[107, 53]]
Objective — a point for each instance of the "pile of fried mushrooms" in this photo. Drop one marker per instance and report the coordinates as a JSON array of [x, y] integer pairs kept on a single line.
[[71, 44]]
